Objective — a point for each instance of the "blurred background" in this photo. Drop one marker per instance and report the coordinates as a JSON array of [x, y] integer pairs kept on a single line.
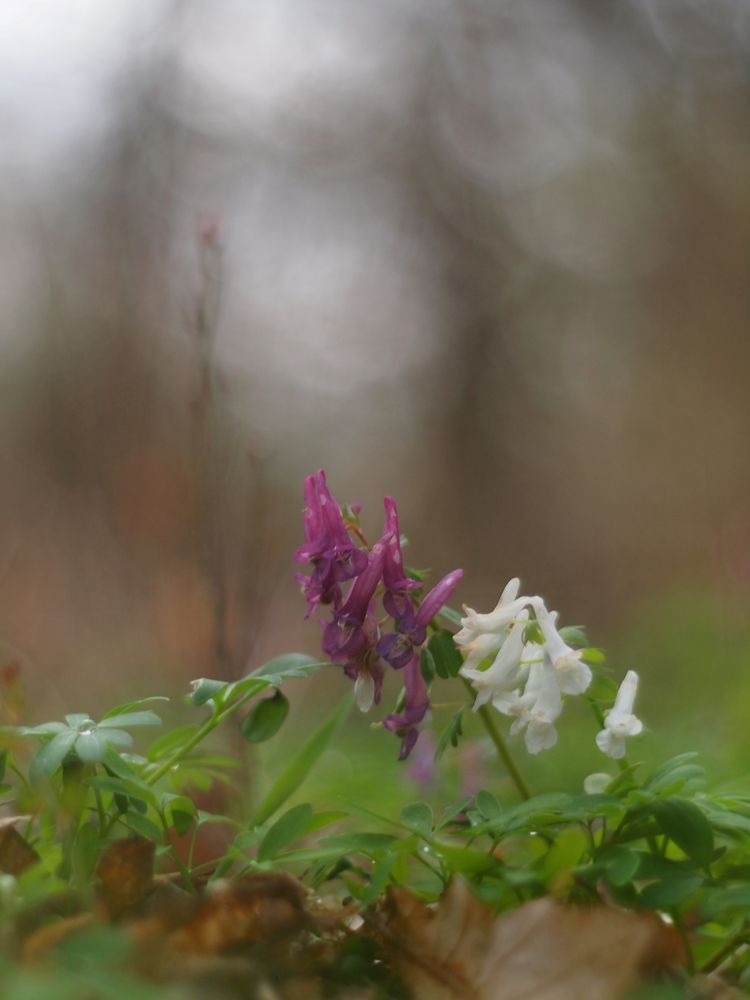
[[488, 256]]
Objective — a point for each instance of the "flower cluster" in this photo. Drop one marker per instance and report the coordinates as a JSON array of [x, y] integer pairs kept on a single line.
[[533, 669], [353, 635]]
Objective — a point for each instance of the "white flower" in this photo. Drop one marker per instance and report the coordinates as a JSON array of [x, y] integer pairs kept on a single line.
[[497, 621], [506, 672], [620, 721], [573, 675], [536, 710], [480, 647]]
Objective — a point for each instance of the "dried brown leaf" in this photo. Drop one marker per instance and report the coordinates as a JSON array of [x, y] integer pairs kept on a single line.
[[541, 951], [261, 908], [126, 875], [16, 855]]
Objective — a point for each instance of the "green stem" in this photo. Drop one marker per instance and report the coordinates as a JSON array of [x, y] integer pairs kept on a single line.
[[500, 745], [200, 734]]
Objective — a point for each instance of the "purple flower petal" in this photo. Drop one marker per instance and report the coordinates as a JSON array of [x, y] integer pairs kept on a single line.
[[438, 596]]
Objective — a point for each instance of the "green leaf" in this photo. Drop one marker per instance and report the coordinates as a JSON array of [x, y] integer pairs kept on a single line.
[[718, 902], [132, 706], [45, 729], [76, 719], [464, 859], [446, 657], [326, 817], [381, 872], [565, 853], [574, 635], [360, 843], [129, 719], [143, 826], [301, 764], [670, 892], [621, 865], [418, 816], [51, 755], [179, 811], [133, 789], [3, 763], [117, 765], [668, 766], [593, 655], [427, 665], [265, 718], [168, 743], [684, 823], [288, 665], [206, 689], [452, 811], [117, 737], [691, 775], [488, 805], [90, 747], [295, 823], [451, 734]]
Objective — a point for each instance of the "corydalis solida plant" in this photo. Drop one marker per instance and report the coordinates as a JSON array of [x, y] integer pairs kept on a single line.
[[532, 668], [353, 635]]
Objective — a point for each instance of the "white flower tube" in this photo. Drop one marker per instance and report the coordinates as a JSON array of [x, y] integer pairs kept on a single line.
[[506, 672], [536, 710], [620, 721], [573, 675], [496, 621]]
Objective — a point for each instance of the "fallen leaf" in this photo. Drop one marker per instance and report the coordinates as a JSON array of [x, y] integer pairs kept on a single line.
[[541, 951], [16, 855], [126, 875], [259, 908]]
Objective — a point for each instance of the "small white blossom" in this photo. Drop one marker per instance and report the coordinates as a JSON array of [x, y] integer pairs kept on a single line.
[[497, 621], [620, 721], [573, 675], [506, 672], [536, 710]]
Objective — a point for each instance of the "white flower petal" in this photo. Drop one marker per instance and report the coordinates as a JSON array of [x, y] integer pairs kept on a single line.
[[625, 697], [573, 675], [540, 736], [613, 744], [364, 691], [479, 648]]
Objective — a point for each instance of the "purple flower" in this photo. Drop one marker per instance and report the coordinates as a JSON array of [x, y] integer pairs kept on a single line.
[[396, 599], [346, 635], [411, 629], [328, 547], [416, 704]]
